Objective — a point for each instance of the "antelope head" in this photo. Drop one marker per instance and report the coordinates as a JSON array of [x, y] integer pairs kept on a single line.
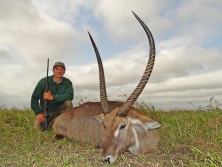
[[127, 128]]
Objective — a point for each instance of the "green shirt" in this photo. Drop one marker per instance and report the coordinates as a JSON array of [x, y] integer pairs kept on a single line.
[[61, 92]]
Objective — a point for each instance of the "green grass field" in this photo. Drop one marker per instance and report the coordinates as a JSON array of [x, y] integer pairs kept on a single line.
[[187, 138]]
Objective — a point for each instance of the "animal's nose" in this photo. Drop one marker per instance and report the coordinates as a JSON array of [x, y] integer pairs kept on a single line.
[[107, 160]]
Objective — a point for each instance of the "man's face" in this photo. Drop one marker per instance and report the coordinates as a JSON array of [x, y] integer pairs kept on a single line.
[[58, 71]]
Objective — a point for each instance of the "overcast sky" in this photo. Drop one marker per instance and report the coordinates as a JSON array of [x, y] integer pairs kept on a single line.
[[187, 33]]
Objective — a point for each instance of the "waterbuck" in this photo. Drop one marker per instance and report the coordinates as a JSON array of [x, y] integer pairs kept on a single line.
[[116, 128], [78, 124]]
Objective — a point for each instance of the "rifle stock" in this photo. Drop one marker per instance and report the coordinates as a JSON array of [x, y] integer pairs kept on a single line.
[[45, 108]]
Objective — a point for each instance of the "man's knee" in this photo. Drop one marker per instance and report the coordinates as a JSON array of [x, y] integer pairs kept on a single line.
[[66, 106]]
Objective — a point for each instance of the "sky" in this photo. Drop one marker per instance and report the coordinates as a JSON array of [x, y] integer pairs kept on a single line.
[[187, 33]]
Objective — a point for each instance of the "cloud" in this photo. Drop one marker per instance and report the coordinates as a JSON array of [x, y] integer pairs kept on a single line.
[[118, 23], [184, 61], [33, 35], [188, 46]]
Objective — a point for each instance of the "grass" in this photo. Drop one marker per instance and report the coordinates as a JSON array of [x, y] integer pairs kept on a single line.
[[187, 138]]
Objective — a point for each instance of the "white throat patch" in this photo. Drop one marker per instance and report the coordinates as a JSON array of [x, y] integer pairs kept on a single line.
[[134, 149]]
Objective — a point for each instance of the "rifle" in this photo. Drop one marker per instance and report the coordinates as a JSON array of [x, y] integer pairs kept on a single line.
[[45, 108]]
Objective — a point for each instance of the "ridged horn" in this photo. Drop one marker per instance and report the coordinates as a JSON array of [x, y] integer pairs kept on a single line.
[[132, 98], [103, 95]]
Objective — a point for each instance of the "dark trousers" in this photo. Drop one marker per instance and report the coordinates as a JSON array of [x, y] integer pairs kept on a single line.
[[66, 106]]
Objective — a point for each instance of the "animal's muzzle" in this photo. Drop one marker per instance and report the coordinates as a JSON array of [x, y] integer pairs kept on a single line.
[[109, 159]]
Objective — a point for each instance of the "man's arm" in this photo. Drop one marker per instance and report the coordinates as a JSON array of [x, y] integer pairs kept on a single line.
[[36, 95], [68, 95]]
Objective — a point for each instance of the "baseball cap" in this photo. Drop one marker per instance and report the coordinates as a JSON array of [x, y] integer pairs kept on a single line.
[[59, 64]]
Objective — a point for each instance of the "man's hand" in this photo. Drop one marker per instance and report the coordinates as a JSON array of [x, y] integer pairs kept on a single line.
[[41, 117], [48, 96]]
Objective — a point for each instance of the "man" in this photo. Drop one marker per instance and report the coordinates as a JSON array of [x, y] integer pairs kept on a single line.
[[59, 96]]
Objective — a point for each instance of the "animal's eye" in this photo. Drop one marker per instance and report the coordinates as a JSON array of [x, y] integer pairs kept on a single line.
[[122, 126]]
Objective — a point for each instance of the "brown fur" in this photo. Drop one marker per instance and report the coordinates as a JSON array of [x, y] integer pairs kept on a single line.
[[78, 124]]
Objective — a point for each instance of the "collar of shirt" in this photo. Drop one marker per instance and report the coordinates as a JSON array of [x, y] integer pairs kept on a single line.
[[55, 81]]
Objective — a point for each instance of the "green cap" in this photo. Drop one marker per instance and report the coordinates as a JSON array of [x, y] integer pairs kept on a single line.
[[59, 64]]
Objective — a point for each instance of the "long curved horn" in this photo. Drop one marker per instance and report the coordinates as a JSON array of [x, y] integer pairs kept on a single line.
[[103, 95], [132, 98]]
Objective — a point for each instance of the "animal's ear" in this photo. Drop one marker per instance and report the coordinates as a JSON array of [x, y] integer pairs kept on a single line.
[[151, 125], [99, 118], [148, 124]]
